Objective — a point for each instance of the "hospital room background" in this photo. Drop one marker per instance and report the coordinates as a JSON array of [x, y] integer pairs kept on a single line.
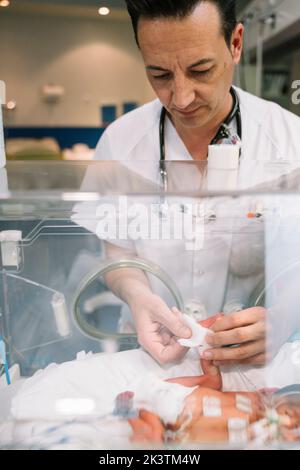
[[69, 71], [71, 68]]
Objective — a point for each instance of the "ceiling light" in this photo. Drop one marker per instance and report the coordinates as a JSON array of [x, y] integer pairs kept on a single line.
[[11, 105], [4, 3], [104, 11]]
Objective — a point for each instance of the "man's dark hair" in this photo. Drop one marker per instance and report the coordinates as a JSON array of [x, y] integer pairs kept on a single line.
[[153, 9]]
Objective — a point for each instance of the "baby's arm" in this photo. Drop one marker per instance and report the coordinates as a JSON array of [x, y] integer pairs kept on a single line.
[[211, 377]]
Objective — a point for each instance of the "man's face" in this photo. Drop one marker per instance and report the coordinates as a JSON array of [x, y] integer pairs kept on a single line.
[[189, 64]]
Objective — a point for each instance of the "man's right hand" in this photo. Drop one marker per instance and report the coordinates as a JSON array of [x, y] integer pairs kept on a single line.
[[158, 328]]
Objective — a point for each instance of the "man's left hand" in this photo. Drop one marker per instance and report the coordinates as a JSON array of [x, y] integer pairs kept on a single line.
[[247, 330]]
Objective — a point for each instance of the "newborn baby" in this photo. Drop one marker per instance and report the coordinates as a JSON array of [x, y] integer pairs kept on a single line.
[[212, 416], [206, 415], [209, 415], [188, 401]]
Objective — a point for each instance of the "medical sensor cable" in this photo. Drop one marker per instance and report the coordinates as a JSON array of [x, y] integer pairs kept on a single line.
[[3, 360]]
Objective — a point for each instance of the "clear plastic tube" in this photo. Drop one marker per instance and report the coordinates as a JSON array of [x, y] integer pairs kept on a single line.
[[107, 266]]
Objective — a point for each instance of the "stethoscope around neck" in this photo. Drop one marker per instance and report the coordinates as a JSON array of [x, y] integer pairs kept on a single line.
[[222, 134]]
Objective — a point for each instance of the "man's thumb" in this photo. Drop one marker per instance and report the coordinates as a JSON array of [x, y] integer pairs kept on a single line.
[[177, 326]]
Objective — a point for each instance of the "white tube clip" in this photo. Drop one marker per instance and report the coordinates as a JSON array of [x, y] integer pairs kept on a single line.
[[61, 314], [11, 252]]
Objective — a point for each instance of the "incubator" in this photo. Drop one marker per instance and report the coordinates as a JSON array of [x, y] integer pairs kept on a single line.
[[73, 374]]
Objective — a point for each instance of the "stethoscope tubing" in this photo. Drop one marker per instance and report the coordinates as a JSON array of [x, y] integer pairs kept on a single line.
[[235, 113]]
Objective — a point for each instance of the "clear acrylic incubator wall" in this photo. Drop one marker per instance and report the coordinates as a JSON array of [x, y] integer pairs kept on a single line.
[[92, 253]]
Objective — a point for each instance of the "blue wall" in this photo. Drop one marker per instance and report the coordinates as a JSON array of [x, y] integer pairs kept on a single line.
[[65, 136]]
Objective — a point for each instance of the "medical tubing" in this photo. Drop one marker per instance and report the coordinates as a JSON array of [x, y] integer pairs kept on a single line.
[[3, 360], [108, 266], [6, 370]]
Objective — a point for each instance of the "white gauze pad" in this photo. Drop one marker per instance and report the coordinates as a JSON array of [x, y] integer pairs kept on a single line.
[[197, 340]]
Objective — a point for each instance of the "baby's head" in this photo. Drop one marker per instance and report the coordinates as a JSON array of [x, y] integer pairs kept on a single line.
[[287, 404]]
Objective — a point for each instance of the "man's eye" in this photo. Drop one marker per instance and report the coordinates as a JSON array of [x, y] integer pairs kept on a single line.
[[201, 72], [165, 76]]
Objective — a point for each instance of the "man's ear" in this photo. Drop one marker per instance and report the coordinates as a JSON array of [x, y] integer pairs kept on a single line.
[[237, 43]]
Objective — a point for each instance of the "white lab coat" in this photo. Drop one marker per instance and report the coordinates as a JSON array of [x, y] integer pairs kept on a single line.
[[270, 134]]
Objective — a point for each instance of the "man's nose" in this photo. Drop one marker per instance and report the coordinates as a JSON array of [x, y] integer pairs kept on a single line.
[[183, 93]]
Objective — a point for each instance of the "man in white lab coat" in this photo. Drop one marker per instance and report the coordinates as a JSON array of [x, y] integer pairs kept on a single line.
[[190, 49]]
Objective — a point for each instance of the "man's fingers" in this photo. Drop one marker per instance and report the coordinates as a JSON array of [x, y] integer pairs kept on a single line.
[[165, 336], [257, 360], [159, 350], [238, 335], [173, 322], [170, 353], [176, 312], [157, 340], [239, 319], [237, 354]]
